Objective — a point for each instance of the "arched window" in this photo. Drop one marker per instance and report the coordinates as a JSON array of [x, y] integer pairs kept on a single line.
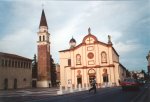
[[39, 38], [103, 57], [78, 59], [43, 38]]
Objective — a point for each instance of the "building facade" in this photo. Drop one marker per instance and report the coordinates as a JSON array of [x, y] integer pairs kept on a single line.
[[91, 59], [43, 48], [15, 71]]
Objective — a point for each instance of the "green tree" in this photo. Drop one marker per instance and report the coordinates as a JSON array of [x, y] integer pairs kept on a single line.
[[34, 67], [53, 72]]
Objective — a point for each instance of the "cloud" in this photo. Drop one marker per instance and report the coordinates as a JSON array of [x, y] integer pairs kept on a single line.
[[19, 43], [125, 48]]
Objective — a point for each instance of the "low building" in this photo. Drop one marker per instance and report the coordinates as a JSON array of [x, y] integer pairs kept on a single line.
[[138, 74], [91, 59], [15, 71]]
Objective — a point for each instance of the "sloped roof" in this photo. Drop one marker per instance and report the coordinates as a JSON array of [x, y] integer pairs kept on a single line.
[[2, 54], [43, 21]]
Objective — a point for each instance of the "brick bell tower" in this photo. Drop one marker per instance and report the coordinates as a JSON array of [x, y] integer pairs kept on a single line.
[[43, 47]]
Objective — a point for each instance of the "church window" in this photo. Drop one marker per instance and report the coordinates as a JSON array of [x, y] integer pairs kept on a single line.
[[43, 38], [78, 59], [69, 62], [39, 38], [104, 57], [90, 55]]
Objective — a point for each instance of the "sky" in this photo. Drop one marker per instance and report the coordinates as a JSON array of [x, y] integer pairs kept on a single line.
[[126, 21]]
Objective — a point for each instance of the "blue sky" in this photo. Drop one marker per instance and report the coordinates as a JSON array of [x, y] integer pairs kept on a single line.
[[128, 23]]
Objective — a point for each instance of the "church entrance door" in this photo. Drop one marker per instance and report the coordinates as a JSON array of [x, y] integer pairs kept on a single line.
[[105, 78], [79, 80], [92, 75], [91, 78]]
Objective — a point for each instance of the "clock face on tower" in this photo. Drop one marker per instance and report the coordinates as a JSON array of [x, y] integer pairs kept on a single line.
[[90, 55]]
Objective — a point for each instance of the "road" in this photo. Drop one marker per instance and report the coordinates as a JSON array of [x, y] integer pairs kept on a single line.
[[103, 95]]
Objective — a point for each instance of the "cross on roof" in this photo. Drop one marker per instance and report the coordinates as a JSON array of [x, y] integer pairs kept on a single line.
[[90, 40]]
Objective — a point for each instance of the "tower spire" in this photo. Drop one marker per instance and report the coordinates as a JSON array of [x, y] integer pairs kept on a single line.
[[43, 21]]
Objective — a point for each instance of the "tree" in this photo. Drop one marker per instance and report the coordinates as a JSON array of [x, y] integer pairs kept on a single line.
[[53, 72], [134, 75], [128, 74], [145, 75], [34, 71]]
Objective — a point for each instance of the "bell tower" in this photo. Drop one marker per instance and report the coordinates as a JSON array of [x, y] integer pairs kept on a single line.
[[43, 50]]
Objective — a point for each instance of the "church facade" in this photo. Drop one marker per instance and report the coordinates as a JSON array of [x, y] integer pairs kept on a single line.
[[91, 59]]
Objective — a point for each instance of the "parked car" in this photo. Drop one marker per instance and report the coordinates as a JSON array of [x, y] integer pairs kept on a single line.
[[141, 82], [129, 83]]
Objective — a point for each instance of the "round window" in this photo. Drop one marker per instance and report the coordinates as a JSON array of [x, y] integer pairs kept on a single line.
[[90, 55]]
